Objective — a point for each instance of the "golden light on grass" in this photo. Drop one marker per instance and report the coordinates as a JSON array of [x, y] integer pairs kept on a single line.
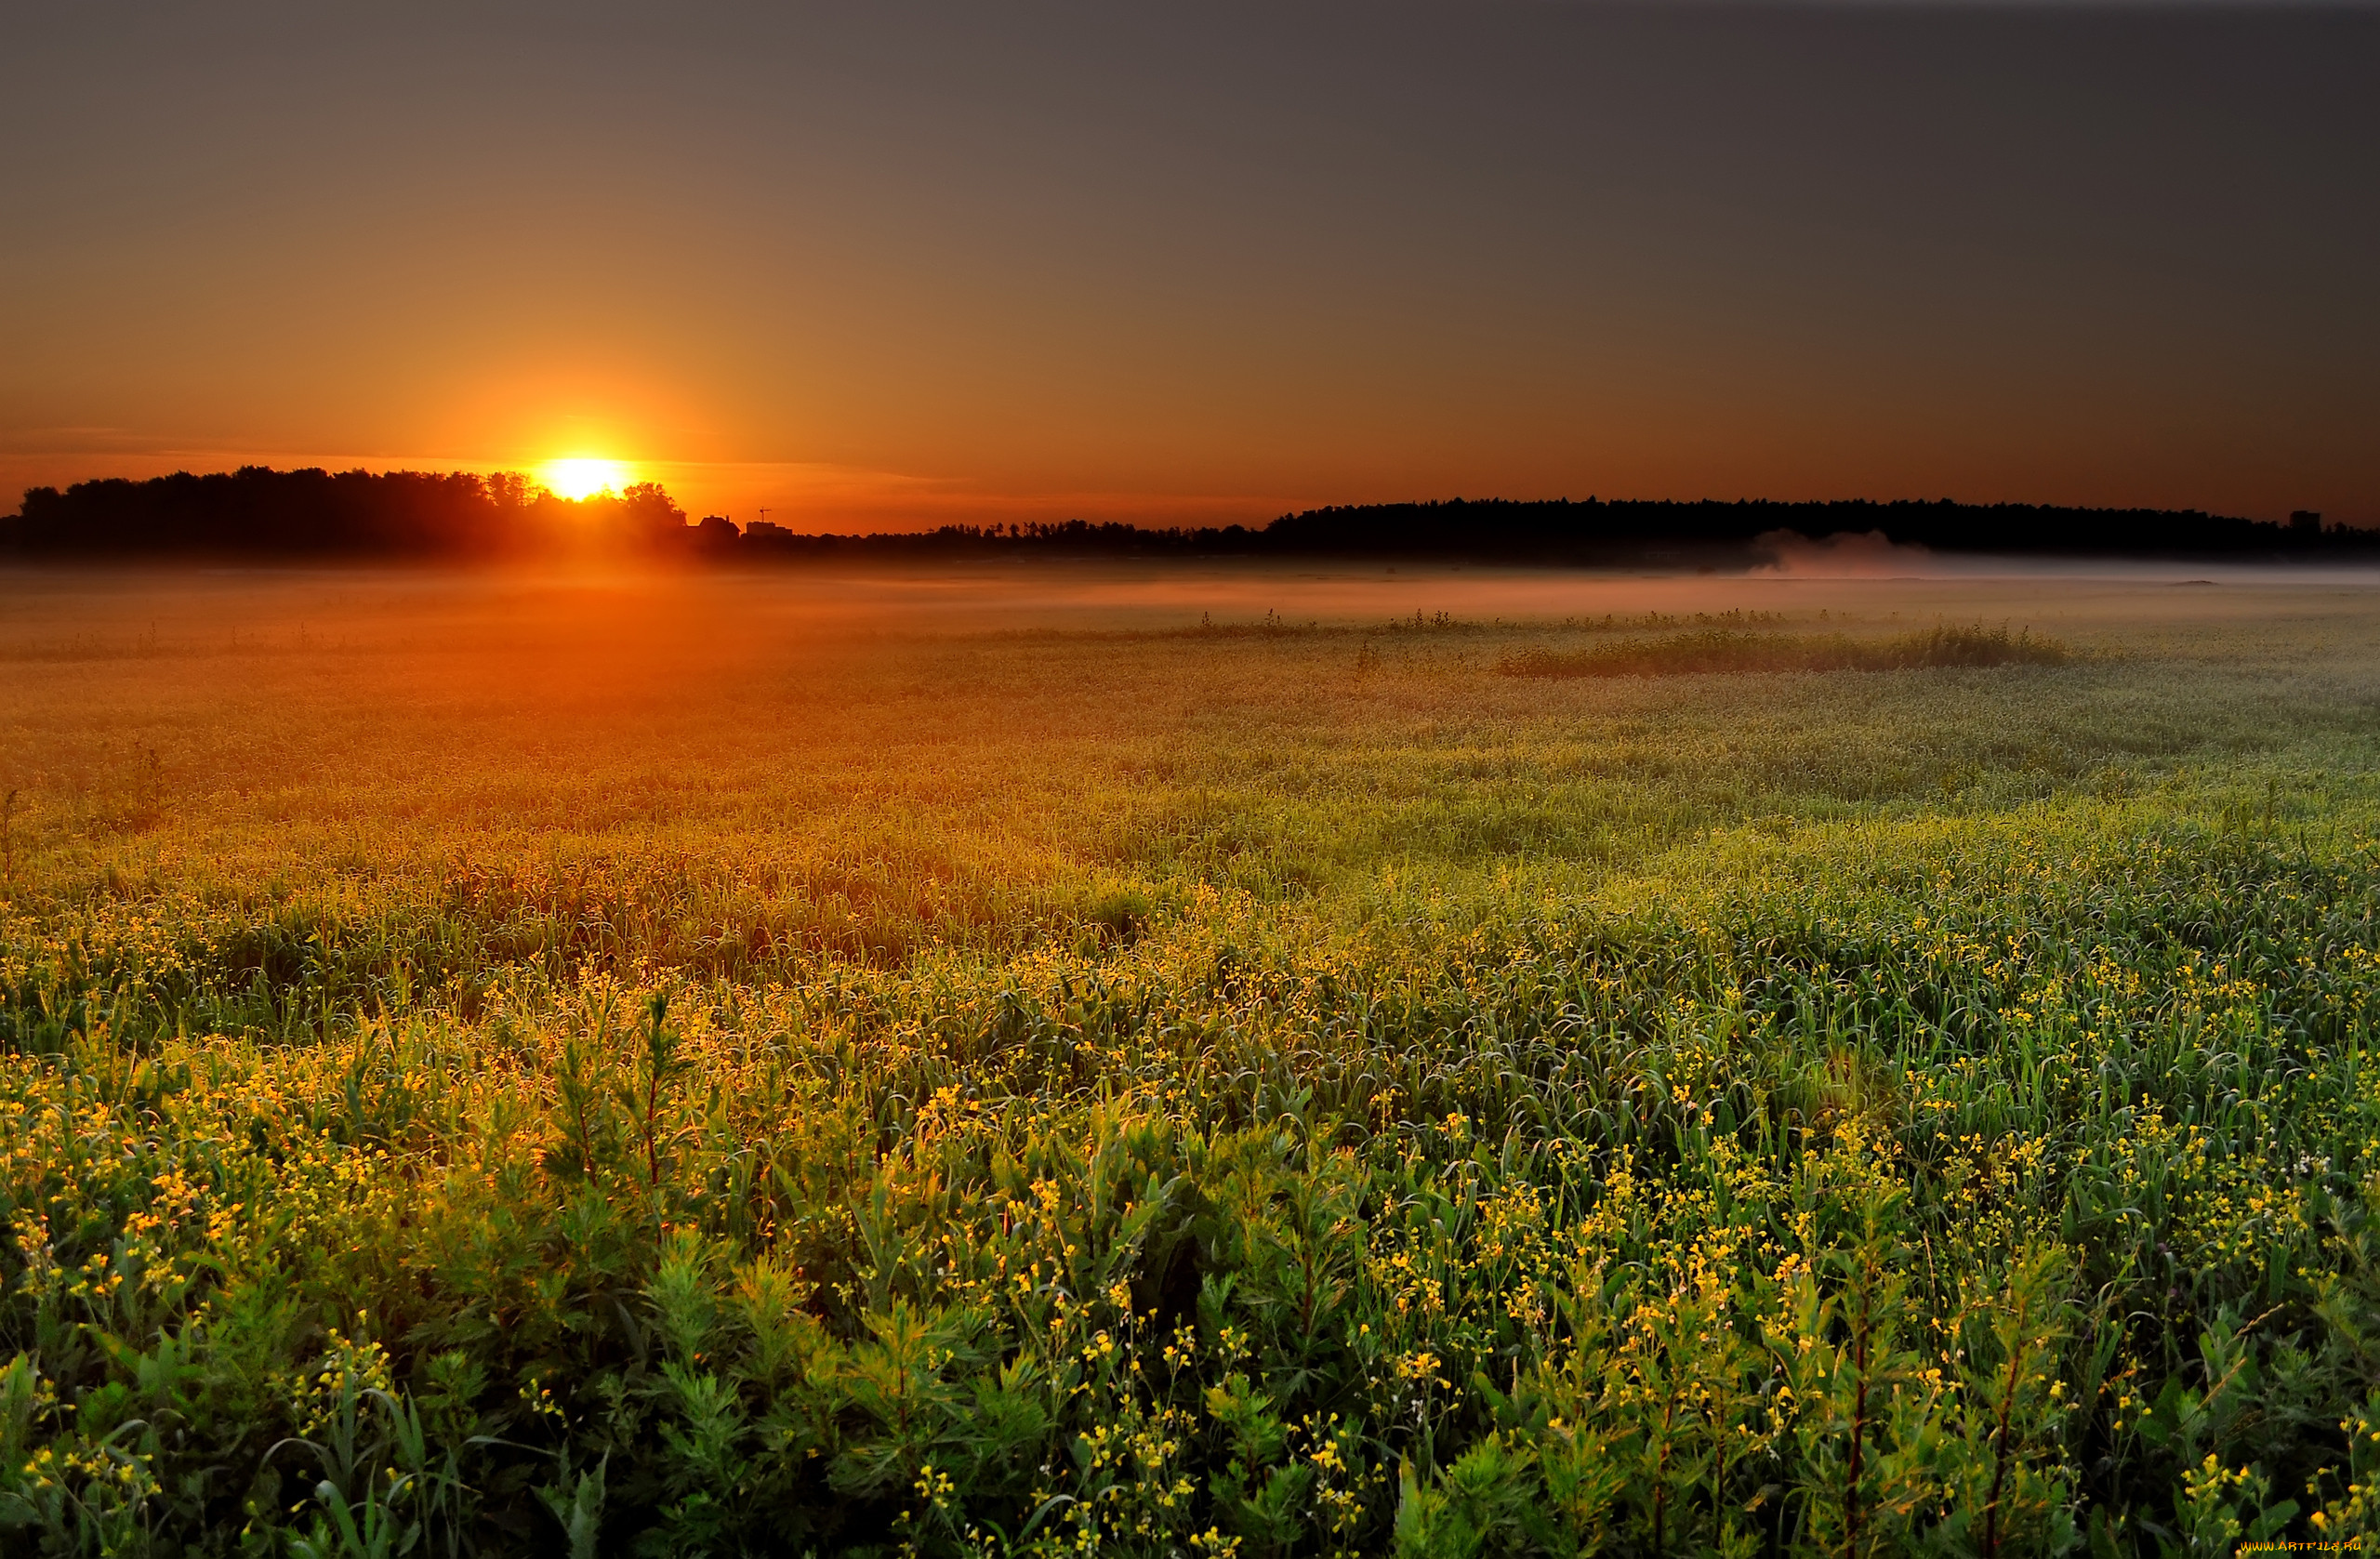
[[582, 477], [710, 855]]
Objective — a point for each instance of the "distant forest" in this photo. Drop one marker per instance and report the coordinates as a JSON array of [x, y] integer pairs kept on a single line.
[[260, 514]]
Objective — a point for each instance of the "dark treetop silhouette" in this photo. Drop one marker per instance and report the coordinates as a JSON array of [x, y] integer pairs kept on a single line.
[[255, 513], [258, 513]]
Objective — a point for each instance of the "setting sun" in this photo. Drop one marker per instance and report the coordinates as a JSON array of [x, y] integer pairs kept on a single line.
[[577, 478]]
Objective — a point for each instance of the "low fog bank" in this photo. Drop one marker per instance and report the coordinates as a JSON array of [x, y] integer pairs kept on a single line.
[[565, 673], [1874, 555], [598, 610]]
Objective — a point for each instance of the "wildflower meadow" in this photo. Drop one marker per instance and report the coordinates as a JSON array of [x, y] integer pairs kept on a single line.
[[491, 1066]]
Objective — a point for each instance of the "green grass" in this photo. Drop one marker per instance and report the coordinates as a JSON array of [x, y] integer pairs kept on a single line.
[[1733, 650], [714, 1066]]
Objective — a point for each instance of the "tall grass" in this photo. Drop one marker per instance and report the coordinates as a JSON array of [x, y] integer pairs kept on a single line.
[[1727, 650]]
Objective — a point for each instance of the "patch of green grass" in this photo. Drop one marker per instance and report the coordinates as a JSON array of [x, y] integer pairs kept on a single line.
[[1731, 651]]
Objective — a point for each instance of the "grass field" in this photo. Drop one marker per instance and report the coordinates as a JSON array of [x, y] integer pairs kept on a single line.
[[1187, 1063]]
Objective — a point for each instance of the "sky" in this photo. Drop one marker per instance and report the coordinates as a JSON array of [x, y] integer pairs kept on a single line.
[[917, 262]]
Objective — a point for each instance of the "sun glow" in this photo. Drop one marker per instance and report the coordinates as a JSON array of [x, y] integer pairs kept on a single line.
[[581, 478]]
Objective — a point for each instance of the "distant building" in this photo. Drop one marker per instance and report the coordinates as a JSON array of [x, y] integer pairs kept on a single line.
[[2304, 520], [765, 530]]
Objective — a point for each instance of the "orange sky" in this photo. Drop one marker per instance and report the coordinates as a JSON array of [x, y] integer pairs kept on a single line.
[[938, 264]]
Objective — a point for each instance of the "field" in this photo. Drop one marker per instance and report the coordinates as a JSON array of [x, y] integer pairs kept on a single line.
[[1187, 1061]]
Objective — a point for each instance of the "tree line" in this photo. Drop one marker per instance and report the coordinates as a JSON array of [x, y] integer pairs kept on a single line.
[[260, 513]]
